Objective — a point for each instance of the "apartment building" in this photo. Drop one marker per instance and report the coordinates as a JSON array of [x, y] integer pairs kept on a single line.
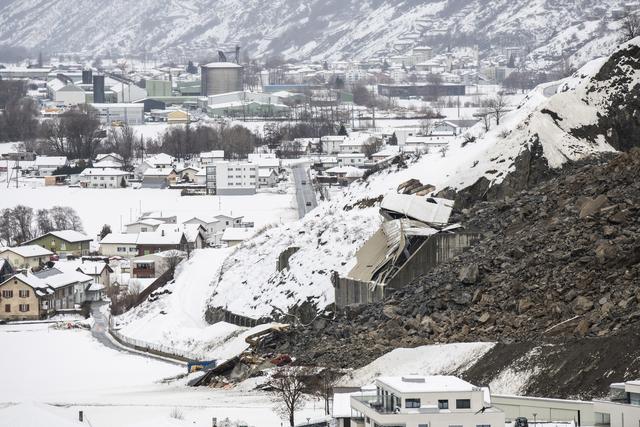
[[227, 178], [622, 409], [419, 401]]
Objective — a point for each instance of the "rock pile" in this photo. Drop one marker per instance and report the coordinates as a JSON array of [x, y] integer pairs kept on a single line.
[[560, 261]]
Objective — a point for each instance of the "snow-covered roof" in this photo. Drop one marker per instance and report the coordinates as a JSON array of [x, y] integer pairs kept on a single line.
[[266, 173], [348, 171], [30, 279], [93, 267], [157, 238], [164, 172], [428, 384], [100, 157], [57, 279], [221, 65], [147, 221], [159, 159], [50, 161], [119, 238], [202, 220], [237, 234], [430, 210], [71, 236], [28, 251], [107, 163], [103, 172], [95, 287], [215, 154]]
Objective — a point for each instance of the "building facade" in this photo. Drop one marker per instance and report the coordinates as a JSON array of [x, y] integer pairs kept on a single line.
[[225, 178]]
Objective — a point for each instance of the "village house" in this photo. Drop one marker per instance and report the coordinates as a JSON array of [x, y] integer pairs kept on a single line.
[[194, 233], [209, 224], [143, 225], [45, 165], [267, 178], [97, 269], [109, 157], [104, 178], [236, 235], [210, 157], [188, 174], [157, 161], [155, 265], [30, 256], [418, 401], [119, 245], [351, 159], [64, 242], [69, 287], [25, 297], [331, 143], [149, 243], [159, 177]]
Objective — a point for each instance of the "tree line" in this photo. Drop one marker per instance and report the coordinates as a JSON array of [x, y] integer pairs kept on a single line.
[[21, 223]]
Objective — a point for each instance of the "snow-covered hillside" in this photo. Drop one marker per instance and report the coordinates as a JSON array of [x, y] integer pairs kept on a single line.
[[332, 29], [548, 125]]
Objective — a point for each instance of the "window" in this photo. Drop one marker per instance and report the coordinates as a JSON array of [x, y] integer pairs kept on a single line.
[[7, 308], [443, 404], [23, 294], [7, 294], [483, 425], [23, 308], [423, 425], [463, 404], [412, 403], [121, 249]]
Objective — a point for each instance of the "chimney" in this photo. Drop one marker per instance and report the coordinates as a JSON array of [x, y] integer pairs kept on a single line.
[[162, 233], [81, 416], [25, 272]]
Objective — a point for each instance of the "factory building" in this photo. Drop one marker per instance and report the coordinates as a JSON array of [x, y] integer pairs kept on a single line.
[[221, 77], [119, 114]]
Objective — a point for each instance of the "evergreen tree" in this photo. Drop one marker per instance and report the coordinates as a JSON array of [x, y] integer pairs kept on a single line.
[[106, 229], [343, 130], [393, 140]]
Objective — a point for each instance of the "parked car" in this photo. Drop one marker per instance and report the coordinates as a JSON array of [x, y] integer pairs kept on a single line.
[[521, 422]]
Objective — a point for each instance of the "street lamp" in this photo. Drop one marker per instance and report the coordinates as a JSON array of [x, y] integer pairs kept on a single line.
[[534, 418]]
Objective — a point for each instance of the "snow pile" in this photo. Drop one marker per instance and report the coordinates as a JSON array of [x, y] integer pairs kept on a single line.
[[327, 238], [438, 359], [176, 318]]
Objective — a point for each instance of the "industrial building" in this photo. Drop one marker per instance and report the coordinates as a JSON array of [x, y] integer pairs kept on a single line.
[[158, 88], [231, 179], [118, 114], [245, 103], [221, 77], [419, 90], [64, 93]]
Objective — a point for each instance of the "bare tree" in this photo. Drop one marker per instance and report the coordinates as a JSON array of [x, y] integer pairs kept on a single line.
[[43, 222], [123, 141], [323, 386], [173, 257], [288, 391], [497, 107], [426, 126], [372, 147], [23, 217], [630, 26]]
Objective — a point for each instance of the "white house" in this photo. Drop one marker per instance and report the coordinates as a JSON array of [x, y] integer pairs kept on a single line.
[[431, 401], [211, 225], [210, 157], [143, 225], [351, 159], [331, 143], [104, 178], [267, 178], [45, 165], [226, 178], [119, 244], [236, 235], [623, 407]]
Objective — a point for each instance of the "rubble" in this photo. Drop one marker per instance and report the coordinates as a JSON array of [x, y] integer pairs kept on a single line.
[[559, 261]]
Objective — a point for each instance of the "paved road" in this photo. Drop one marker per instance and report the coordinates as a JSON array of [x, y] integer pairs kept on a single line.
[[305, 195], [100, 331]]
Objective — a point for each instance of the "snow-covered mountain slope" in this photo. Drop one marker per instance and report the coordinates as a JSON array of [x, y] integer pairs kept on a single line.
[[556, 123], [318, 29]]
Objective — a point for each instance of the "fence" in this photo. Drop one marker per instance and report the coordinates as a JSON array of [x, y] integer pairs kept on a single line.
[[154, 348]]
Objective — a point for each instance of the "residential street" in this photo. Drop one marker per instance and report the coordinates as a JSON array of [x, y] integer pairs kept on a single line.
[[305, 195]]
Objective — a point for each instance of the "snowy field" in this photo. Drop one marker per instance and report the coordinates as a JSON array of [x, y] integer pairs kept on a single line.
[[71, 369], [117, 207]]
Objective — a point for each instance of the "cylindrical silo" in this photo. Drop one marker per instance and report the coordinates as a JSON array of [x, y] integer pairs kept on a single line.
[[221, 77]]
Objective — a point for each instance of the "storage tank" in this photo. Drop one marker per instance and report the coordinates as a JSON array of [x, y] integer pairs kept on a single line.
[[98, 89], [87, 76], [221, 77]]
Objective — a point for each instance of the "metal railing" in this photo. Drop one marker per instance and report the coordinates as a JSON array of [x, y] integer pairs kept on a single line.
[[154, 348]]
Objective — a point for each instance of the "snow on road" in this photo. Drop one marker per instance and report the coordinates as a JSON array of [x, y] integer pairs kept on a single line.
[[119, 206]]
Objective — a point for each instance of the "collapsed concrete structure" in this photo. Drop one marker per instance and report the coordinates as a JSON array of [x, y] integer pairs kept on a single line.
[[415, 237]]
